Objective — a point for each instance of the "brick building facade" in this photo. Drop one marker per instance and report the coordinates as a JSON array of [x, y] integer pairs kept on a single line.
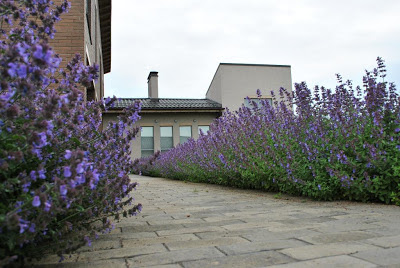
[[86, 29]]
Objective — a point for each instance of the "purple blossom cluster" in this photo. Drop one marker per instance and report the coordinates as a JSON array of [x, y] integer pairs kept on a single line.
[[325, 144], [62, 175]]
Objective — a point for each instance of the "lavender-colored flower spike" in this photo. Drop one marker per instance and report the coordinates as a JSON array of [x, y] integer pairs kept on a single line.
[[36, 201]]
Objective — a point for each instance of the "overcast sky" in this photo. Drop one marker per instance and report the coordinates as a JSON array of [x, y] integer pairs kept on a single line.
[[185, 40]]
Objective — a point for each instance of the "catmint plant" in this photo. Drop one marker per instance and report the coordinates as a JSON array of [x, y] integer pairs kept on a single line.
[[64, 177], [328, 144]]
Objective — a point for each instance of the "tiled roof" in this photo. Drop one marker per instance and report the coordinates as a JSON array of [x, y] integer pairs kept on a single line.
[[169, 104]]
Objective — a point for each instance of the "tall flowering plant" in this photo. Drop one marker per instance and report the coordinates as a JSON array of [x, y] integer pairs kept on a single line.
[[326, 144], [62, 175]]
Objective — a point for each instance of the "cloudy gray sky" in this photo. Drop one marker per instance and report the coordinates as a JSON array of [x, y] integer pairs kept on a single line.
[[185, 40]]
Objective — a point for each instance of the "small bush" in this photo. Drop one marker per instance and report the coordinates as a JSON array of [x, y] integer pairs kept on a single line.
[[62, 176], [340, 144]]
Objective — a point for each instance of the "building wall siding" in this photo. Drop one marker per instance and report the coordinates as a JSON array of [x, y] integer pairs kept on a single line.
[[73, 37], [214, 91], [235, 82], [69, 38]]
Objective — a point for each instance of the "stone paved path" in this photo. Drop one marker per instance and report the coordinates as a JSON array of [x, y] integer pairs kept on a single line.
[[199, 225]]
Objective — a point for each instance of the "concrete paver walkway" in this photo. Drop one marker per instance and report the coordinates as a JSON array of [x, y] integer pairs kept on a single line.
[[199, 225]]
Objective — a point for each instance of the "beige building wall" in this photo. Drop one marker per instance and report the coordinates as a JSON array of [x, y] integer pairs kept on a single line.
[[163, 118], [235, 82]]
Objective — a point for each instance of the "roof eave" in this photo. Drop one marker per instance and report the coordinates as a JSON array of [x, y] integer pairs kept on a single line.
[[105, 29], [172, 110]]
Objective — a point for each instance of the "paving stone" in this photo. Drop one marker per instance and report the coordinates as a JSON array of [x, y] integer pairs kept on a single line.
[[166, 266], [251, 225], [158, 240], [381, 256], [261, 235], [129, 235], [54, 259], [172, 257], [189, 230], [281, 227], [306, 221], [345, 227], [205, 243], [386, 241], [131, 222], [325, 250], [272, 217], [180, 221], [117, 263], [120, 253], [159, 218], [101, 245], [338, 237], [260, 246], [259, 259], [181, 227], [150, 228], [329, 262], [215, 223]]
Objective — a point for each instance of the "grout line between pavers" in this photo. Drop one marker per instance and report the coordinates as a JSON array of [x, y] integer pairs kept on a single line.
[[196, 235], [298, 239], [245, 238], [223, 252], [126, 263], [352, 255], [203, 219], [165, 245]]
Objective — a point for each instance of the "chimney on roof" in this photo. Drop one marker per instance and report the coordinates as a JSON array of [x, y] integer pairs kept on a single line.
[[152, 81]]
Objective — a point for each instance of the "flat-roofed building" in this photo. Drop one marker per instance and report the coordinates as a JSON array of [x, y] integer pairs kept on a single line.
[[233, 82]]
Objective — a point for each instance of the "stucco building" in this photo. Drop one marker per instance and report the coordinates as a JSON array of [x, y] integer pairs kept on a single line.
[[233, 82], [86, 30], [166, 122]]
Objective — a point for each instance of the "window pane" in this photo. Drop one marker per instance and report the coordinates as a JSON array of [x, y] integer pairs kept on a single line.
[[147, 141], [166, 140], [204, 129], [185, 133], [166, 131], [247, 102], [166, 143], [147, 132], [146, 153]]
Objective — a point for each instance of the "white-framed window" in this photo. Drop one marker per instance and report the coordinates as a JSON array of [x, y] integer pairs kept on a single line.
[[166, 137], [185, 133], [147, 141], [204, 129], [248, 102]]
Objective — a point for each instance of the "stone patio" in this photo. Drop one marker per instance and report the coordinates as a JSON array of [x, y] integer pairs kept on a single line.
[[200, 225]]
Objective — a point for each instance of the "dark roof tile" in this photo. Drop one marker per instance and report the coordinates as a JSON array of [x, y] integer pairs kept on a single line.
[[168, 104]]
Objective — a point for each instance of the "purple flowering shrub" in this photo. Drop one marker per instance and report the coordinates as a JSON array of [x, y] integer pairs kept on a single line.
[[326, 144], [62, 175]]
